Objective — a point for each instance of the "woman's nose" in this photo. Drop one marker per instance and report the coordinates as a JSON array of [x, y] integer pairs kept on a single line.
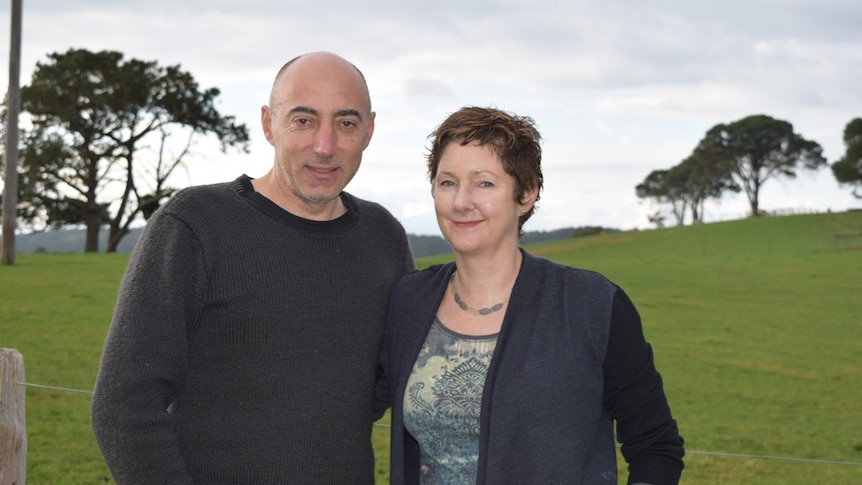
[[464, 198]]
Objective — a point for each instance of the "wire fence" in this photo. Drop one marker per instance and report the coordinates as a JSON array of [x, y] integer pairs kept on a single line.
[[687, 451]]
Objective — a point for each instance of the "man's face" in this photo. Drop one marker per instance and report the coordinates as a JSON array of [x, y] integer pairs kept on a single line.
[[319, 123]]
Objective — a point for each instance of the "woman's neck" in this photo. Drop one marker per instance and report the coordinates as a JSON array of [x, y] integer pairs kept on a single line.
[[487, 278]]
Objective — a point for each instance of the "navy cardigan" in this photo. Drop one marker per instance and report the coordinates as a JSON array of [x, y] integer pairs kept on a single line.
[[570, 360]]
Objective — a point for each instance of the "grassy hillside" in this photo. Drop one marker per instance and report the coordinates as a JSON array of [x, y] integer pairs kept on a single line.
[[755, 325]]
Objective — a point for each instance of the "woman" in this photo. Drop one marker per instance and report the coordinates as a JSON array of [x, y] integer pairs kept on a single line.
[[508, 368]]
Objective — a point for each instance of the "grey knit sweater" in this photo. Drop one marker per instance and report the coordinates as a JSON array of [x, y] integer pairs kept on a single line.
[[244, 343]]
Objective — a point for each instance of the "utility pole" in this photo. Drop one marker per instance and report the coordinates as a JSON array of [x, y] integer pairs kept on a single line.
[[10, 187]]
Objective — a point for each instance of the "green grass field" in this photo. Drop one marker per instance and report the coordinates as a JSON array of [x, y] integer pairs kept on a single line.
[[756, 325]]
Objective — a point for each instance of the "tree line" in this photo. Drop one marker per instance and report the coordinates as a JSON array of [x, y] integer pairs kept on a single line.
[[106, 133], [422, 245], [742, 156]]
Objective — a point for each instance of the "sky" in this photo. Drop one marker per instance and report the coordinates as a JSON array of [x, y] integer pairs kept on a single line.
[[617, 88]]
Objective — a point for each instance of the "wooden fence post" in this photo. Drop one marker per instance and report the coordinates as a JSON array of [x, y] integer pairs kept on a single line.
[[13, 432]]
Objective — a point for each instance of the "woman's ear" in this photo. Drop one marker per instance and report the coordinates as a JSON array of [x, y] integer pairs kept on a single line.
[[528, 199]]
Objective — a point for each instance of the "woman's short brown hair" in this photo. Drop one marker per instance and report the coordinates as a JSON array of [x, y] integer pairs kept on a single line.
[[514, 139]]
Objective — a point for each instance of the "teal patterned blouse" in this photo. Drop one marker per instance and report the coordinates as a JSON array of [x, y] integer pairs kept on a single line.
[[442, 403]]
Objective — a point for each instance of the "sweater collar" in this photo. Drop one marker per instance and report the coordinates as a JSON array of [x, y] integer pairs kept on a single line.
[[335, 227]]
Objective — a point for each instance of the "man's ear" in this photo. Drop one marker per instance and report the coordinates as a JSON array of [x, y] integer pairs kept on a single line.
[[370, 130], [266, 122]]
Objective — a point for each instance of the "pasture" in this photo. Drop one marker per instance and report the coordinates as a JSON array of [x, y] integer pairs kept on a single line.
[[756, 326]]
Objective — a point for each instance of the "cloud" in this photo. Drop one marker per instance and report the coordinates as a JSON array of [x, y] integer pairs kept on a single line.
[[618, 89], [427, 88]]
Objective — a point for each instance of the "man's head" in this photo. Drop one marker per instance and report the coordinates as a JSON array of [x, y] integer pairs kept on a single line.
[[319, 121]]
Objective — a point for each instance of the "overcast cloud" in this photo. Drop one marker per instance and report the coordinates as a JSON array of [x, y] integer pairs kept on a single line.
[[618, 88]]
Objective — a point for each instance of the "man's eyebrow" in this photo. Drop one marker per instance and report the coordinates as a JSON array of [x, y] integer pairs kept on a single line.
[[303, 109], [349, 112], [314, 112]]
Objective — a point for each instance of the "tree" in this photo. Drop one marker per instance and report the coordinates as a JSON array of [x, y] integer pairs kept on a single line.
[[687, 186], [39, 193], [104, 139], [759, 148], [705, 175], [663, 187], [848, 170]]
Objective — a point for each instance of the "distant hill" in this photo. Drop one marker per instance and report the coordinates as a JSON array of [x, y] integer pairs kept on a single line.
[[69, 241], [72, 240]]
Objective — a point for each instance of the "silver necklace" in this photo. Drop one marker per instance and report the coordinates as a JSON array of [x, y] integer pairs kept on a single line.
[[468, 308]]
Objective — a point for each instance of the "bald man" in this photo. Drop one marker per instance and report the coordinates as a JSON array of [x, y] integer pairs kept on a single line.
[[245, 337]]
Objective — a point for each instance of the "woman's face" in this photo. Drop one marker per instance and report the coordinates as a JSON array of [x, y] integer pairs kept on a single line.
[[474, 200]]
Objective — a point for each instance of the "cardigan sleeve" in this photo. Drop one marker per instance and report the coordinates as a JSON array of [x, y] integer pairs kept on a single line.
[[635, 399]]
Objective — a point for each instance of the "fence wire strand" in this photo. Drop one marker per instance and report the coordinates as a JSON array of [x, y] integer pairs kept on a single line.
[[55, 388], [687, 452], [765, 457]]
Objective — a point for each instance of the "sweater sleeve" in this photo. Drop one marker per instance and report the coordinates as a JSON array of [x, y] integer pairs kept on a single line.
[[635, 399], [143, 360]]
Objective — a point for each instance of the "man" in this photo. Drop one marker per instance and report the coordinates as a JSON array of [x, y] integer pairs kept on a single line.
[[244, 343]]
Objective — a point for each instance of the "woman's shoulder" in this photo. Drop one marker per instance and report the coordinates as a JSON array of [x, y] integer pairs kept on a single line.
[[537, 266], [561, 281], [419, 290], [431, 275]]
